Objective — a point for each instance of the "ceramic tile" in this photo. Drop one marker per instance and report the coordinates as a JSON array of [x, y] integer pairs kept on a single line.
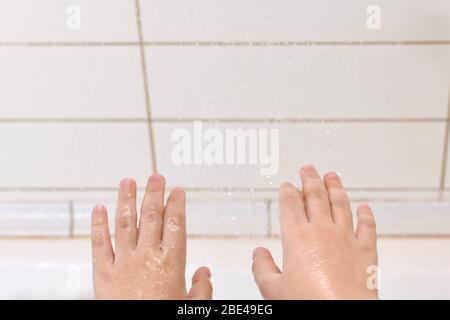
[[381, 82], [73, 155], [67, 21], [49, 83], [294, 20]]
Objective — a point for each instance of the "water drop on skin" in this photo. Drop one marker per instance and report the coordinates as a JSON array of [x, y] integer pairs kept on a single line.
[[101, 237], [173, 226], [152, 212], [127, 217]]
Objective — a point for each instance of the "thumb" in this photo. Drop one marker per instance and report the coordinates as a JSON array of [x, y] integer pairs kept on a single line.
[[264, 269], [201, 285]]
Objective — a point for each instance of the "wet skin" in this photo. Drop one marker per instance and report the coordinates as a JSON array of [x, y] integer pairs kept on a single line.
[[323, 257], [149, 260]]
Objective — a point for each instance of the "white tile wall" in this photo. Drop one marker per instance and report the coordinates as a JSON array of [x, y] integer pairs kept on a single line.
[[220, 218], [393, 219], [62, 82], [45, 196], [394, 195], [299, 82], [367, 155], [82, 218], [293, 20], [73, 155], [31, 220], [47, 21], [420, 218], [95, 75], [227, 219], [447, 176]]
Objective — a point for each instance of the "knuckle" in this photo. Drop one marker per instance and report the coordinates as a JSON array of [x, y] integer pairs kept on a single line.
[[290, 195], [151, 215], [104, 273], [366, 247], [316, 193], [368, 221], [126, 219], [340, 202], [174, 224], [124, 223], [99, 239], [98, 242]]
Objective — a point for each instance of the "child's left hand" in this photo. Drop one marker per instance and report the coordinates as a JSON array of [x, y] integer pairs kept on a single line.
[[149, 261]]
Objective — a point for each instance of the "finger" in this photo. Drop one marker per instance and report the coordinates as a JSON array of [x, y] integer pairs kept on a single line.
[[152, 211], [316, 196], [126, 231], [340, 204], [202, 288], [366, 228], [265, 271], [102, 251], [292, 212], [174, 229]]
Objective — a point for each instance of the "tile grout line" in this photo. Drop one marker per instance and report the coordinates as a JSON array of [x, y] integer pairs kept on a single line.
[[239, 198], [210, 189], [108, 120], [293, 43], [269, 217], [243, 236], [243, 200], [445, 152], [71, 219], [221, 43], [146, 87]]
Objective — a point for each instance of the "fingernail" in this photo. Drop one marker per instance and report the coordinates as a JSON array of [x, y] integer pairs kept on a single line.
[[331, 175], [98, 207], [156, 177], [127, 183], [364, 206], [308, 167], [97, 214], [256, 252], [178, 190]]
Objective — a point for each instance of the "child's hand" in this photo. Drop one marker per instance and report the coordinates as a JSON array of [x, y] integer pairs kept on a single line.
[[149, 262], [323, 258]]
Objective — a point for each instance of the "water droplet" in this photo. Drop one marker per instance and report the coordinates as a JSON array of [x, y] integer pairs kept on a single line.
[[173, 225]]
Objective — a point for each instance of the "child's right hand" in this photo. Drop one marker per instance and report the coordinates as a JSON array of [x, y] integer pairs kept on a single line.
[[149, 262], [323, 258]]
